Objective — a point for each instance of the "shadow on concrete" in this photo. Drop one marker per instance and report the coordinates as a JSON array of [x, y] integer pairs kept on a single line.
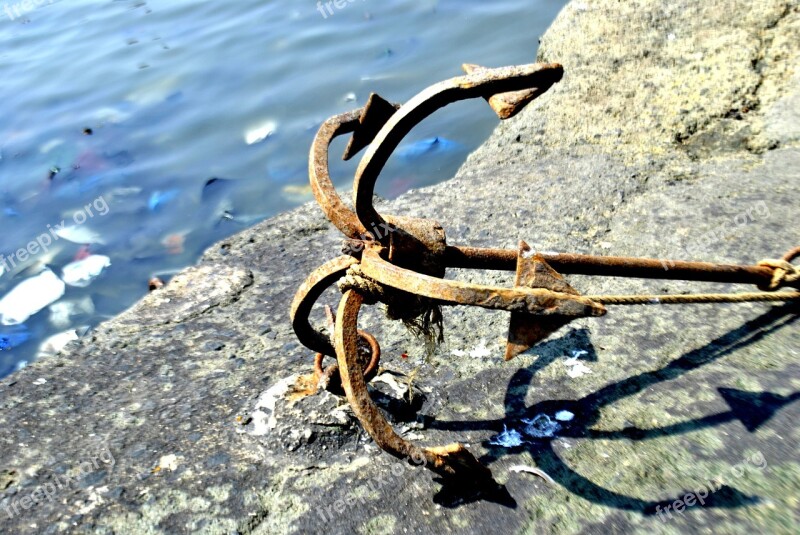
[[752, 409]]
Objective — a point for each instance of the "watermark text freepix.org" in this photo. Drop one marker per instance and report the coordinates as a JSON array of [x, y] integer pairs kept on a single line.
[[701, 244], [699, 496], [326, 8], [49, 490], [15, 11], [42, 243], [385, 484]]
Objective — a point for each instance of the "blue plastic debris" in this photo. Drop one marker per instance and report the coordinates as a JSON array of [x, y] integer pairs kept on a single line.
[[427, 146], [214, 188], [160, 198], [11, 338]]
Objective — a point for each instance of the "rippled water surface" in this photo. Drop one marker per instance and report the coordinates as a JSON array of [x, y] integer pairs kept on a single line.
[[116, 115]]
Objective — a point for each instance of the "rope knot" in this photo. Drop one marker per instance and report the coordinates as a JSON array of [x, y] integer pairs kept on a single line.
[[784, 272]]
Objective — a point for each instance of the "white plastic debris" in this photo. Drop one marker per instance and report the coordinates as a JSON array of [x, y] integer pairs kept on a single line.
[[261, 132], [517, 468], [481, 351], [509, 438], [40, 381], [264, 414], [564, 416], [400, 390], [575, 367], [169, 462], [29, 297], [83, 272], [61, 313], [50, 145], [79, 234], [53, 345], [541, 426]]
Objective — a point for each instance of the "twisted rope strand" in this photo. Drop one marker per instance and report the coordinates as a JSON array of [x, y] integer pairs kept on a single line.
[[694, 298]]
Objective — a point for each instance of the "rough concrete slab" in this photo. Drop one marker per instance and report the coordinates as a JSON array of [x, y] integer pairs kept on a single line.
[[671, 135]]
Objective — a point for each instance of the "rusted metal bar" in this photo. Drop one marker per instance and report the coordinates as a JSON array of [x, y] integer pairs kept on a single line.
[[483, 83], [453, 462], [363, 123], [307, 295], [531, 300], [613, 266]]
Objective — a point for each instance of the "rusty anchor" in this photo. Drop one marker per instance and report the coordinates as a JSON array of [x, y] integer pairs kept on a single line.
[[401, 262]]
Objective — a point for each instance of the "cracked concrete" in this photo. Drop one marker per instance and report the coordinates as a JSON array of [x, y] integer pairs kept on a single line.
[[674, 133]]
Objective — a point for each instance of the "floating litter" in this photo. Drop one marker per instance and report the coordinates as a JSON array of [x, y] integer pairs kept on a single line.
[[53, 345], [260, 133], [83, 272], [29, 297]]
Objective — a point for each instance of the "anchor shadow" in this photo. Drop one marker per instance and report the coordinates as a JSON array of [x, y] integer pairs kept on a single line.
[[752, 409]]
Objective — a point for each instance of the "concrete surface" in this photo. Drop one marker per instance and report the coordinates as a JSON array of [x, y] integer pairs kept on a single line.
[[673, 134]]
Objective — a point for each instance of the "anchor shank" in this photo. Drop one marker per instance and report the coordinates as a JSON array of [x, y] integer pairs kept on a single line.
[[614, 266]]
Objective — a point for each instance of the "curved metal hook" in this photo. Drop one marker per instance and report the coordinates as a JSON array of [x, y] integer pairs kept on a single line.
[[363, 123], [307, 295], [453, 461], [486, 83]]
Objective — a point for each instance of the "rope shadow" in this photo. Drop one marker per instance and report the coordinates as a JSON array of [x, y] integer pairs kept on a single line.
[[751, 408]]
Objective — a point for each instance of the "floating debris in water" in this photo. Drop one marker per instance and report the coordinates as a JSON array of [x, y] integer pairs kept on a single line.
[[260, 133], [541, 426], [50, 145], [426, 146], [160, 198], [83, 272], [564, 416], [215, 187], [30, 296], [55, 344], [80, 234], [154, 92], [509, 438], [155, 284], [61, 313], [298, 193], [174, 242], [110, 115], [9, 339]]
